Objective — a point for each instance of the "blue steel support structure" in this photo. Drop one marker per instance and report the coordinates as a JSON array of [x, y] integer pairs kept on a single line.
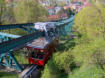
[[14, 26], [65, 26], [8, 35], [7, 48], [5, 36], [8, 59]]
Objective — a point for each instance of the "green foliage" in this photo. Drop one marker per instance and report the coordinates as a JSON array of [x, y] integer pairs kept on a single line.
[[63, 61], [20, 57], [61, 3], [89, 48], [96, 1], [50, 70], [16, 31], [46, 72], [28, 11], [8, 75], [93, 25], [2, 11], [88, 53], [88, 72], [9, 16], [62, 11], [69, 12], [74, 11], [6, 13], [78, 58], [83, 52]]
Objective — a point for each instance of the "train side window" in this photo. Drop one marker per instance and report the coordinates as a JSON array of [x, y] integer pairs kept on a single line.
[[33, 54], [41, 55], [43, 33], [37, 55]]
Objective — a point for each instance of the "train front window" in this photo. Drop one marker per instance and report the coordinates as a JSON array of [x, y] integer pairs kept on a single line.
[[37, 55], [51, 32]]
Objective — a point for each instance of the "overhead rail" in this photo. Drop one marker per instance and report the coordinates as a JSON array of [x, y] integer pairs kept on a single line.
[[64, 22], [9, 35], [13, 26], [14, 43]]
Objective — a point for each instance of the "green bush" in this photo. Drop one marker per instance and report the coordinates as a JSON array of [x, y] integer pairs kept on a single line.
[[88, 72], [8, 75], [83, 52]]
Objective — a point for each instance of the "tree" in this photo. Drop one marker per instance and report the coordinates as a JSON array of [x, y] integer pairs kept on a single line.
[[88, 54], [63, 61], [6, 13], [90, 21], [88, 72], [2, 10], [69, 12], [96, 1], [62, 11], [28, 11]]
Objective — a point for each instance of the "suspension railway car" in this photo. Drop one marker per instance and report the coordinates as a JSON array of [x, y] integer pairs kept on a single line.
[[42, 48]]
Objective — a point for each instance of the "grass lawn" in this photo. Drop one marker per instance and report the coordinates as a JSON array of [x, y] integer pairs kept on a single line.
[[8, 75], [20, 58]]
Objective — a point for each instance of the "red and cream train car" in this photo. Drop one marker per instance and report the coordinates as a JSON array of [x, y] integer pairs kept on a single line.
[[42, 48]]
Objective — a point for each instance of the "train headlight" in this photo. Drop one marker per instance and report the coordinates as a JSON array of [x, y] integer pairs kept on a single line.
[[41, 51]]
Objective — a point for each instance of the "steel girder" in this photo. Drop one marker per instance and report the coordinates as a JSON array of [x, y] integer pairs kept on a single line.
[[7, 46], [14, 26], [8, 59]]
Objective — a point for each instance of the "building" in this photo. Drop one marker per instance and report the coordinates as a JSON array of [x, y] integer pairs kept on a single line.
[[76, 5], [53, 17], [51, 10], [63, 16], [67, 2], [57, 9], [8, 1], [44, 2]]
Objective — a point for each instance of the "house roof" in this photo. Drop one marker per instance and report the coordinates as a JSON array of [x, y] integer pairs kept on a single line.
[[49, 7], [53, 17]]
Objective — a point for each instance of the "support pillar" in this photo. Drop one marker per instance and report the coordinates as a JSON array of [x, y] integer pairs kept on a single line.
[[8, 59]]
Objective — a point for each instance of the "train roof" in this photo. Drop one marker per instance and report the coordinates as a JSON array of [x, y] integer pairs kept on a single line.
[[40, 43]]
